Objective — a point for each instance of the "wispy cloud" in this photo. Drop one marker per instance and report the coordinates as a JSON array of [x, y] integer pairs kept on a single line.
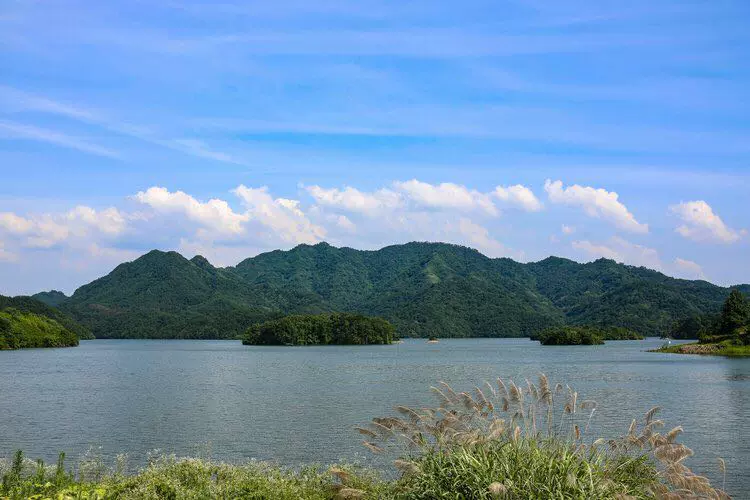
[[14, 130], [20, 100]]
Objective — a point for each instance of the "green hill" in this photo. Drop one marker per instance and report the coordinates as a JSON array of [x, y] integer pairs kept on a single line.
[[164, 295], [52, 298], [31, 305], [422, 288], [20, 327]]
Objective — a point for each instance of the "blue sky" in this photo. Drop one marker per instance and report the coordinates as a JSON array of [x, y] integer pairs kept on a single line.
[[521, 128]]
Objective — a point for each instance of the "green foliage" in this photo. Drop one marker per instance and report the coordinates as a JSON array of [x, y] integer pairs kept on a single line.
[[526, 468], [571, 335], [423, 289], [321, 329], [168, 477], [53, 298], [20, 330], [584, 335], [725, 334], [735, 314], [32, 305], [695, 327]]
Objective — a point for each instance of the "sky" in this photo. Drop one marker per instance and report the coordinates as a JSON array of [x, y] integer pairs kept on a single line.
[[521, 128]]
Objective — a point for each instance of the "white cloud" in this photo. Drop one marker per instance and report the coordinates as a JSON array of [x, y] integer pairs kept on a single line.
[[689, 269], [215, 215], [345, 223], [281, 215], [109, 221], [47, 230], [519, 196], [15, 224], [598, 203], [702, 224], [597, 251], [621, 250], [568, 229], [354, 200], [446, 196], [479, 237]]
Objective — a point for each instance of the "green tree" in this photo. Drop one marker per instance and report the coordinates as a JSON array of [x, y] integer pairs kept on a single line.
[[734, 314]]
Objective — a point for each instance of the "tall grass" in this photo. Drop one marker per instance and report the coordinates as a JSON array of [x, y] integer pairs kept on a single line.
[[530, 441]]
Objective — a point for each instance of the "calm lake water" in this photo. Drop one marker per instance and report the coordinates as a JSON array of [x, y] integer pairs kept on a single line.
[[298, 404]]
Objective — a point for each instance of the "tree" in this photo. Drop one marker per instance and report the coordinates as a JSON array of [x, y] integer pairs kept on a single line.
[[734, 313]]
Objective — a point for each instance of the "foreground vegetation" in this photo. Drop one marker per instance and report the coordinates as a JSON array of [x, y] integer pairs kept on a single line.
[[421, 288], [497, 441], [726, 334], [321, 329], [584, 335]]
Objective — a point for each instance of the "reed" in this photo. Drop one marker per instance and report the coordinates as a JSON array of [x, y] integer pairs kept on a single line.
[[496, 437]]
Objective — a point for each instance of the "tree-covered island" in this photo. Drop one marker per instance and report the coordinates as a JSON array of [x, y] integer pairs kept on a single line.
[[584, 335], [321, 329]]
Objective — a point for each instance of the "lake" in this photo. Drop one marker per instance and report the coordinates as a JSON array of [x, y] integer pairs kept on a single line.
[[296, 405]]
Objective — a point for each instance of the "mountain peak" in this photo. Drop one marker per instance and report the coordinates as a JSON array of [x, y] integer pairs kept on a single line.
[[202, 262]]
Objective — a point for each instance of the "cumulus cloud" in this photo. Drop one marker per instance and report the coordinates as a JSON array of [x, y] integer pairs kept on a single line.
[[47, 230], [688, 269], [702, 224], [478, 236], [595, 202], [343, 222], [214, 214], [446, 196], [282, 216], [354, 200], [568, 229], [621, 250], [518, 196]]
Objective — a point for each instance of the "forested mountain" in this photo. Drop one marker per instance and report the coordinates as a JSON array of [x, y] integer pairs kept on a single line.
[[52, 298], [165, 295], [422, 288]]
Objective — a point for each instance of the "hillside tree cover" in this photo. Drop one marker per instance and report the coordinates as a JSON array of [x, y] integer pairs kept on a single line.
[[52, 298], [19, 330], [34, 306], [694, 327], [423, 289], [321, 329]]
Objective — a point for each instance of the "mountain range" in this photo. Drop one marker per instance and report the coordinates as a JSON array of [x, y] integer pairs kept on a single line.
[[422, 288]]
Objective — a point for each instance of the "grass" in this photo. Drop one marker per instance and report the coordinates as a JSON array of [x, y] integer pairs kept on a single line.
[[724, 348], [498, 441]]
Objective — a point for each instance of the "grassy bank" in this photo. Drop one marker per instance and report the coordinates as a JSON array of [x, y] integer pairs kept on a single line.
[[726, 348], [497, 441]]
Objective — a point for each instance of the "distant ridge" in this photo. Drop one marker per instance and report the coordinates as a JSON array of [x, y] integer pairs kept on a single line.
[[52, 298], [422, 288]]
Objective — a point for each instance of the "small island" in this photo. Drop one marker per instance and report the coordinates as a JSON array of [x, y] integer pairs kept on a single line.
[[584, 335], [321, 329], [727, 334]]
